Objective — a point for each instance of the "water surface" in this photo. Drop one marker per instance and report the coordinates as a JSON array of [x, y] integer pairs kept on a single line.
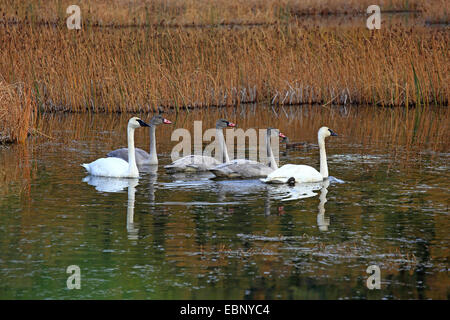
[[190, 237]]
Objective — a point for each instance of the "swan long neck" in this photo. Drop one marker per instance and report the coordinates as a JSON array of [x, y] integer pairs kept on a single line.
[[132, 167], [323, 158], [153, 154], [271, 163], [223, 147]]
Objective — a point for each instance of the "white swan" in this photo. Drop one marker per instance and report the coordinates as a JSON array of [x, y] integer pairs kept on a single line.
[[243, 168], [198, 163], [142, 157], [302, 173], [116, 167]]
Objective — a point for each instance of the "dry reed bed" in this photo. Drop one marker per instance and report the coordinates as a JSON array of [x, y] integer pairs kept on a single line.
[[137, 69], [436, 11], [16, 112], [180, 12]]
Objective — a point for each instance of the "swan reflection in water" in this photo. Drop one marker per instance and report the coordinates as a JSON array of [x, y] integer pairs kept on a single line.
[[152, 171], [302, 191], [298, 191], [105, 184], [131, 226], [278, 192], [322, 221]]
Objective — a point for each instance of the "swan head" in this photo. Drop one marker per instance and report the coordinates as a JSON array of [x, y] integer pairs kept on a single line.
[[273, 131], [159, 119], [135, 123], [222, 123], [326, 132]]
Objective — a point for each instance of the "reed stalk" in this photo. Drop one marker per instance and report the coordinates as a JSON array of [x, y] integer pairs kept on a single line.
[[16, 113], [123, 69]]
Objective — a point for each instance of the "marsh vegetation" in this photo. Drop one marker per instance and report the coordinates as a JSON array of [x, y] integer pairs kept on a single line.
[[130, 57]]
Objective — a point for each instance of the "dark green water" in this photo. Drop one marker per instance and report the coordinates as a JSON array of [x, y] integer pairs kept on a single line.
[[189, 237]]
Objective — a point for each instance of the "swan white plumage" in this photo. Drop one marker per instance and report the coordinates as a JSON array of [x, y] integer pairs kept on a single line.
[[199, 163], [142, 157], [116, 167], [302, 173], [244, 168]]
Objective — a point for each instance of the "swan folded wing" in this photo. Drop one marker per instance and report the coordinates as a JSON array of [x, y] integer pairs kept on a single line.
[[206, 164], [119, 153], [141, 153], [192, 163], [241, 168], [108, 167], [260, 170], [301, 174], [142, 157], [230, 169]]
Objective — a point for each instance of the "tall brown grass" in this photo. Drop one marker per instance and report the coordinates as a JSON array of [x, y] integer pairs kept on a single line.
[[138, 63], [437, 11], [16, 112], [131, 69], [180, 12]]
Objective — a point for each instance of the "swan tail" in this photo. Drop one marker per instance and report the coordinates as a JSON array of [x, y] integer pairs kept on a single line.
[[218, 173], [86, 166]]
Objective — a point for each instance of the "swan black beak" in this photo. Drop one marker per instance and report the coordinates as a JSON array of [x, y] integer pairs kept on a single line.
[[332, 133], [142, 123]]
